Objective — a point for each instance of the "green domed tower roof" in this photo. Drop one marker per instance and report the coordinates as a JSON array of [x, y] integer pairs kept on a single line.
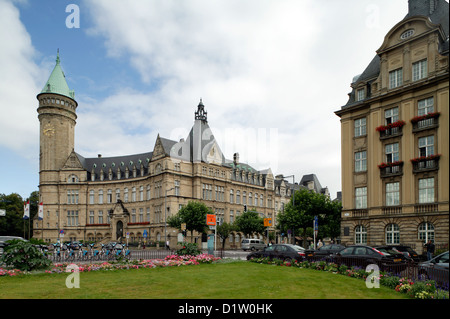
[[57, 82]]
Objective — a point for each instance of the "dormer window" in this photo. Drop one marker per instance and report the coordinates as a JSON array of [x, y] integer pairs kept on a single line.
[[360, 95]]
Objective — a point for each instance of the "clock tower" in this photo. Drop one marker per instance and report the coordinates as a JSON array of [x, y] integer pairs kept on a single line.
[[57, 119]]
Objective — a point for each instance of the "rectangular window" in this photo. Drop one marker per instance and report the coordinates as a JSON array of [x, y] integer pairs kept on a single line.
[[72, 218], [72, 197], [392, 154], [361, 197], [361, 161], [392, 194], [360, 127], [360, 95], [177, 188], [426, 190], [91, 217], [419, 70], [100, 217], [91, 197], [425, 106], [426, 146], [395, 78], [391, 115]]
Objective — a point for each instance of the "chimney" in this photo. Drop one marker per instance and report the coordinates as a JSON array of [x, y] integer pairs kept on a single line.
[[236, 158]]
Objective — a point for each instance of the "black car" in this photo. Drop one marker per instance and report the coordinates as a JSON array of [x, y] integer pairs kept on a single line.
[[362, 256], [285, 252], [409, 253], [326, 250]]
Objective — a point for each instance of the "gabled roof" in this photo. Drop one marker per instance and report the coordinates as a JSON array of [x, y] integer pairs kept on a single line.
[[57, 82]]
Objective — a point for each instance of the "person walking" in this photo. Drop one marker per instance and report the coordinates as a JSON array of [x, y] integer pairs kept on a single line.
[[430, 249], [167, 245]]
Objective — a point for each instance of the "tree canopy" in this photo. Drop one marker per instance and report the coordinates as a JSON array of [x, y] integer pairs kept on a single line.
[[298, 215], [250, 223], [193, 214]]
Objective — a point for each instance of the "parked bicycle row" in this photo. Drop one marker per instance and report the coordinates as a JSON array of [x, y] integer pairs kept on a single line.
[[85, 252]]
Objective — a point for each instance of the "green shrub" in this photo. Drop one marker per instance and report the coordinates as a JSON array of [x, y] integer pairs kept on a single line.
[[188, 249], [24, 256]]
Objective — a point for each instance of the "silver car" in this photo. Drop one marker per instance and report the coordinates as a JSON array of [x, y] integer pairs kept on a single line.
[[436, 269]]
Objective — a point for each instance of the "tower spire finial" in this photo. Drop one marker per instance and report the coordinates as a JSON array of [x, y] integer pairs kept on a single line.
[[201, 114], [57, 57]]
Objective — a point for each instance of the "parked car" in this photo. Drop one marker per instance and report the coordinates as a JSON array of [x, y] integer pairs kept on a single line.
[[252, 244], [326, 250], [405, 250], [436, 269], [4, 241], [362, 256], [285, 252]]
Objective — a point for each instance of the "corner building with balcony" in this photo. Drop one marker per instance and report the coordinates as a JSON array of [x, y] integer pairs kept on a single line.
[[394, 136]]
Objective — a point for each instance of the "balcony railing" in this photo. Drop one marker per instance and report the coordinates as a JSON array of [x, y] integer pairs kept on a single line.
[[391, 169], [391, 130], [425, 208], [425, 164], [424, 122], [392, 210]]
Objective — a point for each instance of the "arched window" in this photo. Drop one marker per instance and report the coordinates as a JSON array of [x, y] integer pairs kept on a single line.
[[360, 235], [392, 234], [426, 232]]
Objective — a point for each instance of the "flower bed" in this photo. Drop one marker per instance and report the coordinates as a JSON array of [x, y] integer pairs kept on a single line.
[[418, 290], [169, 261]]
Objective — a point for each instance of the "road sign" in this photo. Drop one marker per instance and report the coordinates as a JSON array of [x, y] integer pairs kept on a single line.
[[128, 234], [211, 220], [316, 223], [267, 222], [183, 226], [145, 234]]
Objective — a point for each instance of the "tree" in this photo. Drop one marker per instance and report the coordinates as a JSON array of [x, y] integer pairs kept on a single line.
[[193, 214], [299, 217], [12, 223], [223, 231], [250, 223]]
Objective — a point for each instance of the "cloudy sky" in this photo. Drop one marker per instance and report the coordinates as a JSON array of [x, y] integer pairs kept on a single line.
[[271, 74]]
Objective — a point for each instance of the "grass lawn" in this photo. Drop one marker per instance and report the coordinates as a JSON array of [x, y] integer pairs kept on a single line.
[[233, 280]]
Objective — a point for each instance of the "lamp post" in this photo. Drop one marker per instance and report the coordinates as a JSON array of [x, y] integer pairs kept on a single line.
[[293, 199], [165, 215]]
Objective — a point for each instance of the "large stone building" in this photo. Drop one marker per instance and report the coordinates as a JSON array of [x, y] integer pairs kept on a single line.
[[106, 198], [395, 130]]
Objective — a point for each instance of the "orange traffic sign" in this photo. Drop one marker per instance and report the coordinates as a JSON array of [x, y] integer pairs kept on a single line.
[[211, 220], [267, 222]]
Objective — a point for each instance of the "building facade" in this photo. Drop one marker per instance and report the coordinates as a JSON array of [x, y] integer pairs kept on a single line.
[[109, 198], [394, 136]]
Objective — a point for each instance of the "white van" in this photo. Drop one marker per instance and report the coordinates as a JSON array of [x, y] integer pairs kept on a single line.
[[252, 244]]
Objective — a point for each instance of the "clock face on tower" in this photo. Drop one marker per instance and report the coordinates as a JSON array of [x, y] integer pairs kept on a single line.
[[49, 130]]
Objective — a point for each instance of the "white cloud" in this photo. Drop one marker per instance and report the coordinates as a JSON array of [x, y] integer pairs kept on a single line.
[[260, 66], [285, 65], [19, 75]]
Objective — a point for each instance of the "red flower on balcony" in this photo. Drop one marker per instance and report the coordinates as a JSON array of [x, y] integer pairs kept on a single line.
[[382, 128], [425, 158], [390, 164], [424, 117]]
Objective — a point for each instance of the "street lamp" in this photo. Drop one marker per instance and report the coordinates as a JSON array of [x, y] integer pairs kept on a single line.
[[293, 198], [165, 217]]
